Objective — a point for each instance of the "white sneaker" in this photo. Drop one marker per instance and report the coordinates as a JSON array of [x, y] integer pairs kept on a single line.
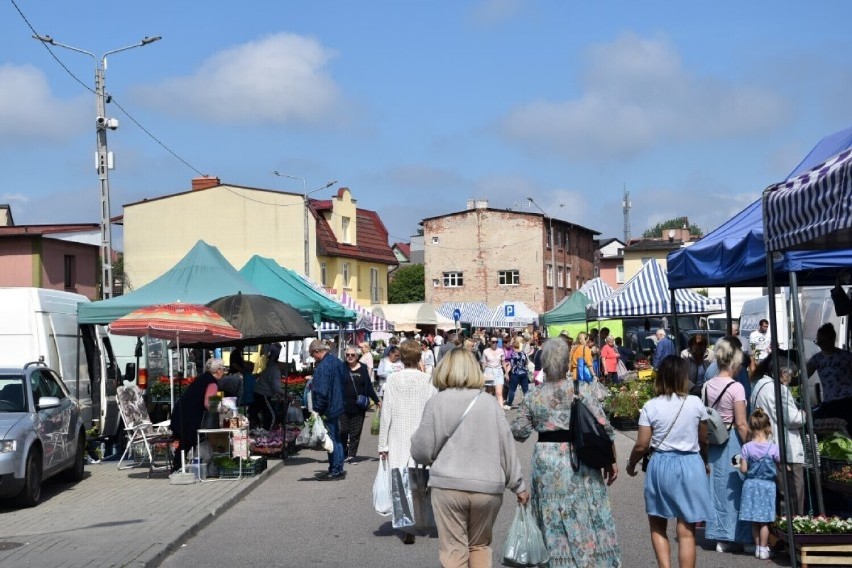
[[764, 553], [722, 546], [507, 407]]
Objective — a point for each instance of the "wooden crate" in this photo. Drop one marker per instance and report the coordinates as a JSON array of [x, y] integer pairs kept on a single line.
[[822, 554]]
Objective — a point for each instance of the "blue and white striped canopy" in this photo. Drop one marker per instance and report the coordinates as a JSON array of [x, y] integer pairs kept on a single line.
[[812, 210], [647, 294], [596, 290], [477, 314], [523, 315]]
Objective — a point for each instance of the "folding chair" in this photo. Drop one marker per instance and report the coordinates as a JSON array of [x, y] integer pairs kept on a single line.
[[141, 433]]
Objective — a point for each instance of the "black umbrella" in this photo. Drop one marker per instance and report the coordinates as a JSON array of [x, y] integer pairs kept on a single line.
[[261, 319]]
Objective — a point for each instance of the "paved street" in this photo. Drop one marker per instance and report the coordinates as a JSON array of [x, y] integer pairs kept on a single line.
[[281, 518], [293, 520]]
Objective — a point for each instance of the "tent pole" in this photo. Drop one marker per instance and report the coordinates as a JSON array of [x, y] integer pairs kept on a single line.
[[728, 324], [803, 388], [675, 329], [779, 409]]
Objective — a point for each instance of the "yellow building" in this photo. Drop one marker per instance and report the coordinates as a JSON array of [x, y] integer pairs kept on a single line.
[[346, 248], [639, 252]]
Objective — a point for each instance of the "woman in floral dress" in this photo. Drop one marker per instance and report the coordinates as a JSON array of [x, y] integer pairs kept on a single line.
[[571, 507]]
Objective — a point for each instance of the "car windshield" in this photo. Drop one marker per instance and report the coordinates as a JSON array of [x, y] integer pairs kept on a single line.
[[12, 393]]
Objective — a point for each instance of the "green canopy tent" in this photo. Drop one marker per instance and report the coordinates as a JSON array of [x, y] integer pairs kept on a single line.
[[570, 316], [198, 278], [283, 284]]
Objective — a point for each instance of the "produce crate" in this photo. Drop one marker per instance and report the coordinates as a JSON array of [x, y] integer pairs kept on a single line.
[[255, 465]]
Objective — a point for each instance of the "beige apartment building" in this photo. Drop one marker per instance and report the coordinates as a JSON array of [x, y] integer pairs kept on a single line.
[[493, 255], [346, 248]]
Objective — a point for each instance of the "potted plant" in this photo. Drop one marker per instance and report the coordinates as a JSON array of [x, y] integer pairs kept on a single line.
[[815, 530], [624, 402]]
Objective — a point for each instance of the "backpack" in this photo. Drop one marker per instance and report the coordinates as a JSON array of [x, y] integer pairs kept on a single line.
[[717, 430]]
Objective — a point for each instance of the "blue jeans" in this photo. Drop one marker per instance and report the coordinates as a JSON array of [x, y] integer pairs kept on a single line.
[[514, 380], [335, 457]]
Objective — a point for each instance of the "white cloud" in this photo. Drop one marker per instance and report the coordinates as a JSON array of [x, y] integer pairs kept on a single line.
[[638, 94], [29, 113], [490, 12], [277, 79]]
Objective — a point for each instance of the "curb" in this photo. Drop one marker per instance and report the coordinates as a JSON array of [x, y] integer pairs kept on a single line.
[[156, 556]]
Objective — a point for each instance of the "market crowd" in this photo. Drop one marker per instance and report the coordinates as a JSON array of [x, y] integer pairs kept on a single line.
[[706, 440]]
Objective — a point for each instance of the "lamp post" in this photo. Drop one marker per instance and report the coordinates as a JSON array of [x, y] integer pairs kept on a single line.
[[103, 161], [305, 211], [552, 250]]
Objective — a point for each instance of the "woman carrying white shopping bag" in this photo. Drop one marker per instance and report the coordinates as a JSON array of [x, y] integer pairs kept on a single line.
[[466, 440]]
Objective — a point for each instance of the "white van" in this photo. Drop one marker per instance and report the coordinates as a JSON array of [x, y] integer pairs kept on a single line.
[[37, 324]]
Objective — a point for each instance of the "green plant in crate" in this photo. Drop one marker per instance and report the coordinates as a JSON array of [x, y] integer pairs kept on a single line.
[[626, 400], [159, 388]]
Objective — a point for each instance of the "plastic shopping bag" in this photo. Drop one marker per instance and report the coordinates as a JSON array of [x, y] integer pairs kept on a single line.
[[412, 501], [524, 545], [382, 490], [377, 422]]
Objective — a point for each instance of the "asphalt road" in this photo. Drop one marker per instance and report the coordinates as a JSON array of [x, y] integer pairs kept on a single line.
[[292, 520]]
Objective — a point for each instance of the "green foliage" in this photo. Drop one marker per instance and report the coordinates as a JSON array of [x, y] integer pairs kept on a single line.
[[656, 231], [407, 285], [625, 400]]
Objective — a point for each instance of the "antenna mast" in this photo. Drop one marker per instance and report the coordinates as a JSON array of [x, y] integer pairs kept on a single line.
[[625, 207]]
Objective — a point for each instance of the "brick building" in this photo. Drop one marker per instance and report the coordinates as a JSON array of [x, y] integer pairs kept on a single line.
[[494, 255]]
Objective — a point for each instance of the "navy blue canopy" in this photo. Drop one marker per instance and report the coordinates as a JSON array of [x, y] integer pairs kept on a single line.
[[735, 253]]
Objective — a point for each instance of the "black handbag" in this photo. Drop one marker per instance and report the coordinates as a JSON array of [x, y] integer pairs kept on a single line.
[[590, 442]]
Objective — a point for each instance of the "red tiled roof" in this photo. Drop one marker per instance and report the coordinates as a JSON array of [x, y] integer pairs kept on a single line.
[[371, 233], [18, 230], [405, 248]]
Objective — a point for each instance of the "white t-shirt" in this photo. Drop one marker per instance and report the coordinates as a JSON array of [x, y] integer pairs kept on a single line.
[[659, 412], [759, 344], [493, 358]]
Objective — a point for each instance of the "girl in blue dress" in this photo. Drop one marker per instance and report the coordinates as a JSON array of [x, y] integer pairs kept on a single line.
[[757, 460]]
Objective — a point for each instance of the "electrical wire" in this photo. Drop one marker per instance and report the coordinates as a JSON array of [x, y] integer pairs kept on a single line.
[[112, 99]]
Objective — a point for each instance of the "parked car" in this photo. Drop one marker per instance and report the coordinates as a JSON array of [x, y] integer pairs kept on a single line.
[[711, 335], [41, 432]]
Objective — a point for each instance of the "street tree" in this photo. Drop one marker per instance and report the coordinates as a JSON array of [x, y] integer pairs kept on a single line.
[[407, 285]]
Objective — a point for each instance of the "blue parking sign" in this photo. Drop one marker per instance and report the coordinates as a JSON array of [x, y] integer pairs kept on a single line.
[[456, 314], [509, 310]]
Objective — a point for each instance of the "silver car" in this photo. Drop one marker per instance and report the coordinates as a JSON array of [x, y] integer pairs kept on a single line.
[[41, 432]]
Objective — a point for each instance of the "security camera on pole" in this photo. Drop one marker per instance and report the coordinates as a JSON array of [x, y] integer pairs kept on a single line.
[[103, 158]]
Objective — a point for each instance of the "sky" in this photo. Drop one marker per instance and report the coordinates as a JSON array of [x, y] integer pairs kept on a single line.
[[418, 106]]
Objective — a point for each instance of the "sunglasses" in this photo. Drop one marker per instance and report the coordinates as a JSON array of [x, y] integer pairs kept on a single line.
[[351, 354]]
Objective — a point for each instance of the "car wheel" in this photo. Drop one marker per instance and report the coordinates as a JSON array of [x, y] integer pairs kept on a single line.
[[75, 471], [30, 495]]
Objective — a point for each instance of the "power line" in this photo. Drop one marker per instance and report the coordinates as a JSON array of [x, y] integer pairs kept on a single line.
[[112, 99]]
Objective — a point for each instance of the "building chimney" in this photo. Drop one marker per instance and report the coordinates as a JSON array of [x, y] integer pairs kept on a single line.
[[205, 182], [481, 204], [470, 204]]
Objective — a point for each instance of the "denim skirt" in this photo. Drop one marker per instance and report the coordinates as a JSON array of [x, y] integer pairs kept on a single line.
[[676, 487]]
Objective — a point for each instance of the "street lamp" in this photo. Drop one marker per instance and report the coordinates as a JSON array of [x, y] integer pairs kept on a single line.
[[552, 249], [103, 161], [305, 194]]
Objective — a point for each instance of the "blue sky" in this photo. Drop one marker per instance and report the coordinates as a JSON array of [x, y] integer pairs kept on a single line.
[[418, 106]]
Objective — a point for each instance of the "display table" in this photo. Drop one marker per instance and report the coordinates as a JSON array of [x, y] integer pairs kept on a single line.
[[237, 442]]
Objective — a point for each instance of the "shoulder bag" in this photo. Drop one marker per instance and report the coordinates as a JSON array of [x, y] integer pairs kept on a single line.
[[647, 455], [717, 430], [589, 440], [361, 401], [583, 372]]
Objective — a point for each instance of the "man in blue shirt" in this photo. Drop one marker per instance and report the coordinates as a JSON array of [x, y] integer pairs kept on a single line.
[[327, 395], [665, 347]]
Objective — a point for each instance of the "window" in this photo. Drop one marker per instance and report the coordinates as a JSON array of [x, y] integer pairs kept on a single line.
[[550, 275], [568, 277], [559, 280], [434, 240], [70, 269], [549, 234], [619, 273], [436, 282], [556, 238], [508, 278], [323, 278], [375, 291], [346, 275], [453, 279], [345, 225], [566, 241]]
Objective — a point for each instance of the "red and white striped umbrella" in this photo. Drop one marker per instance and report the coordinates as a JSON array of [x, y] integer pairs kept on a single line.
[[188, 323]]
